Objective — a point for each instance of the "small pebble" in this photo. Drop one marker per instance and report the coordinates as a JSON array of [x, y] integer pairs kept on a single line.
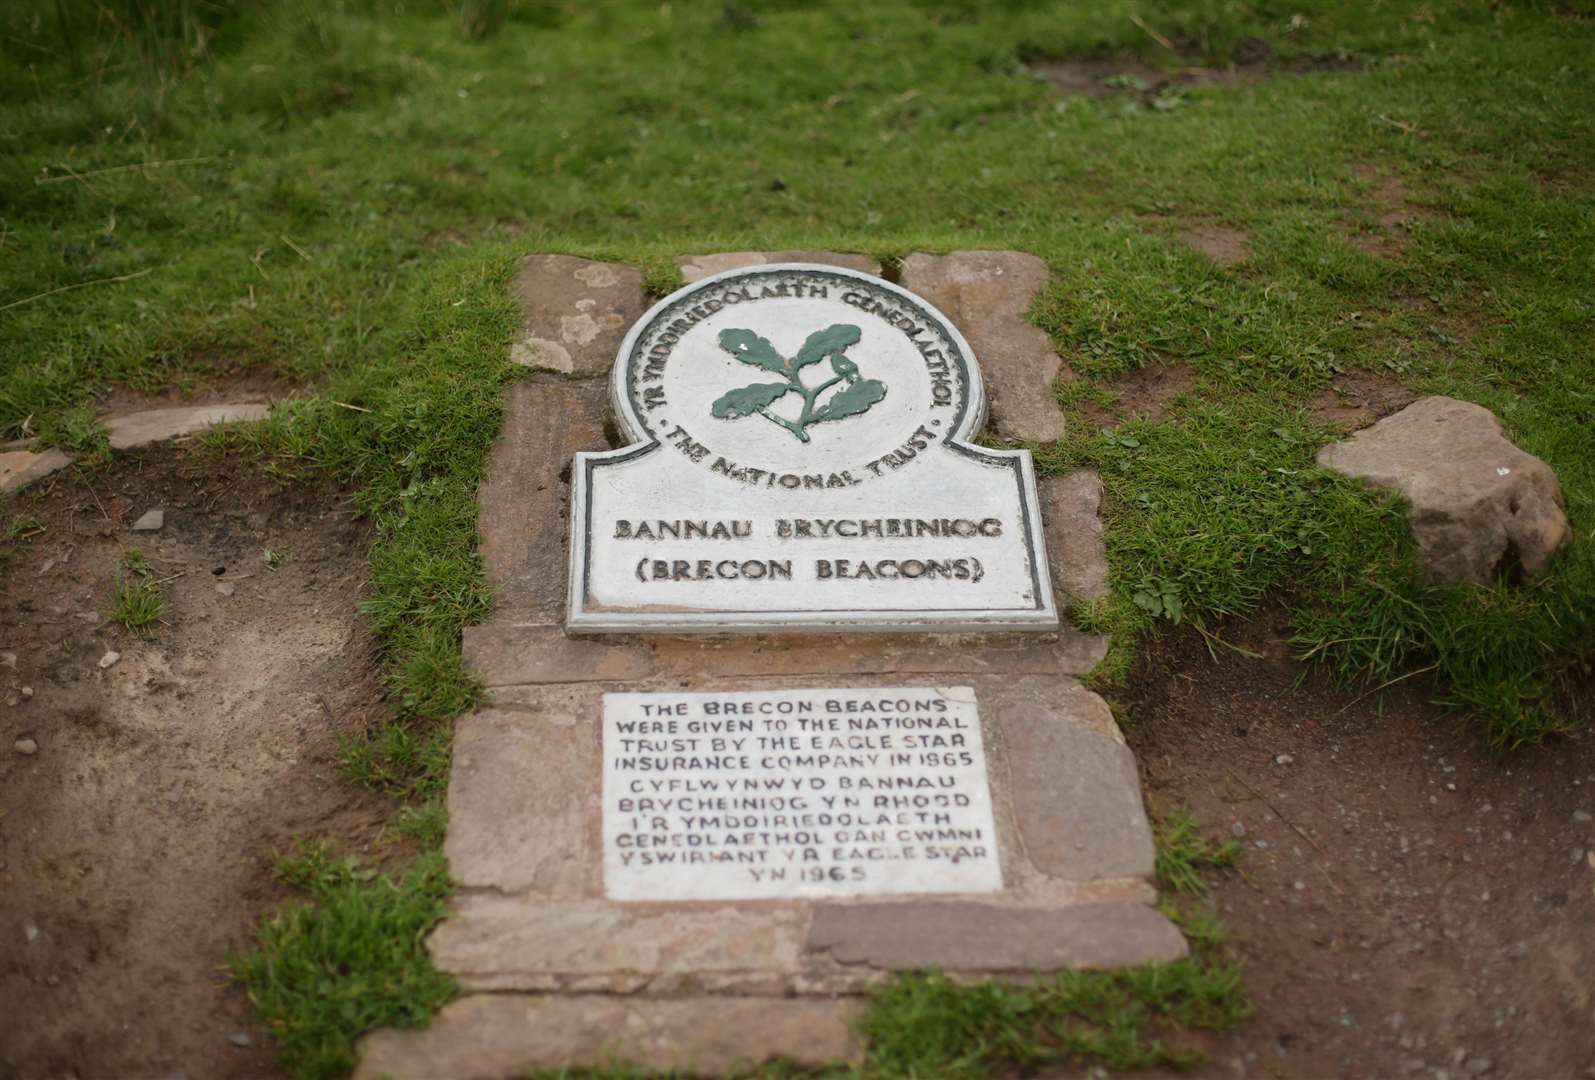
[[1576, 856], [27, 691], [1580, 816], [151, 521], [1237, 830], [226, 588], [8, 659], [110, 658], [30, 931], [241, 1038], [25, 746], [1283, 759]]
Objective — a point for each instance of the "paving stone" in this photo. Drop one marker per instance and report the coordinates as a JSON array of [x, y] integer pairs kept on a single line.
[[987, 295], [157, 425], [698, 267], [1071, 510], [975, 937], [492, 1036], [525, 494], [1478, 504], [19, 468], [1075, 790], [495, 942], [524, 799], [500, 654], [574, 313]]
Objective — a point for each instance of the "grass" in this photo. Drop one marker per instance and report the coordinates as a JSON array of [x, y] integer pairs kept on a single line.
[[336, 193], [136, 601], [347, 959], [1183, 853]]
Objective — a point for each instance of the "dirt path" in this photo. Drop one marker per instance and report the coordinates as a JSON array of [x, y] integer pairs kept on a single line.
[[1437, 919], [135, 841]]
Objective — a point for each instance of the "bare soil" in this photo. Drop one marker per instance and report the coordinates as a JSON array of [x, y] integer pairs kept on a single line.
[[1126, 76], [136, 840], [1224, 245], [1406, 903], [1384, 227], [1147, 393], [1355, 399]]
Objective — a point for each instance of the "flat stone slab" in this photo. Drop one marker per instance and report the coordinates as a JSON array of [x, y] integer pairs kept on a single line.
[[995, 940], [526, 844], [697, 267], [1478, 504], [19, 468], [157, 425], [987, 294], [492, 1036], [574, 313], [1071, 506]]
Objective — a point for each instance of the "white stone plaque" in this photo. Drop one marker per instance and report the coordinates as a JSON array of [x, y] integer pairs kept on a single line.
[[776, 794], [800, 459]]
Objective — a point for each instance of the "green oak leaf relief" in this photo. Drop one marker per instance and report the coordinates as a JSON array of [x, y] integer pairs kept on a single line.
[[851, 400], [830, 341], [750, 348], [747, 400], [855, 396]]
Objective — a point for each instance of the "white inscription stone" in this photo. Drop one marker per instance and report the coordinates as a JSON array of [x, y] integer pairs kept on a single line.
[[775, 794], [800, 459]]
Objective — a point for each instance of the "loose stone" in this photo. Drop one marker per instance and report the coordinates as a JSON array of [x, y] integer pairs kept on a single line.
[[25, 746], [109, 658], [151, 521]]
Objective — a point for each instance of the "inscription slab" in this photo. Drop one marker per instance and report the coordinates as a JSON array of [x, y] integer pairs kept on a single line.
[[800, 459], [796, 793]]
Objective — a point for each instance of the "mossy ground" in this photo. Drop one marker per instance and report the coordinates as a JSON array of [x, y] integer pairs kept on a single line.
[[337, 192]]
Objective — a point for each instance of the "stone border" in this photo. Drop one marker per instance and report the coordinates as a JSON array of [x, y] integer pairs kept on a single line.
[[555, 974]]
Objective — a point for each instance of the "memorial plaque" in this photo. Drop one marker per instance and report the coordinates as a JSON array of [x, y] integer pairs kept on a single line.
[[776, 794], [800, 459]]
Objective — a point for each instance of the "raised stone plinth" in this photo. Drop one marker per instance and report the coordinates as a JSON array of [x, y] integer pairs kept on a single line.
[[559, 970]]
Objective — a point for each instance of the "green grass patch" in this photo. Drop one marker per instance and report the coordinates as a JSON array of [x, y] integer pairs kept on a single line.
[[136, 600], [1183, 854], [347, 959]]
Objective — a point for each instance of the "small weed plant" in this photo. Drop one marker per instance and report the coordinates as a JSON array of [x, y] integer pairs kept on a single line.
[[136, 601], [1183, 853]]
